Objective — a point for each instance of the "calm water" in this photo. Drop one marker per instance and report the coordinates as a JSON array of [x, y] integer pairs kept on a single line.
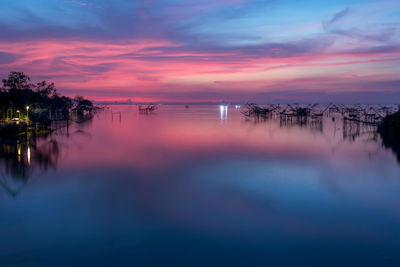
[[200, 186]]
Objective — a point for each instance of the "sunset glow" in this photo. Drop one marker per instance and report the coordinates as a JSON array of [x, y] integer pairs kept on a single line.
[[199, 51]]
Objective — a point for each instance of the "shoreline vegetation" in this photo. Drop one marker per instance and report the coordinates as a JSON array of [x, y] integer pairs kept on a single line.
[[389, 131], [27, 107]]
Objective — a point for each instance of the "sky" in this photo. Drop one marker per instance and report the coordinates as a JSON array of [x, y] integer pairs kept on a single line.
[[207, 50]]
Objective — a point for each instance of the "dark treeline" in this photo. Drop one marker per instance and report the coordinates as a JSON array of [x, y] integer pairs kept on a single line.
[[389, 130], [27, 102]]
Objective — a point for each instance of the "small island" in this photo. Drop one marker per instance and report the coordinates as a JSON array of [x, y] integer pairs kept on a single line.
[[33, 107]]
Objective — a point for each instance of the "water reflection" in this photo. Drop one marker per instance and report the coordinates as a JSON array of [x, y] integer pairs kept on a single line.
[[27, 154], [20, 156], [182, 188], [223, 112], [332, 123], [313, 124], [391, 140]]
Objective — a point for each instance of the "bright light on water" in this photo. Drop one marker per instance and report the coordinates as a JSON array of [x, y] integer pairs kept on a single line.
[[224, 112]]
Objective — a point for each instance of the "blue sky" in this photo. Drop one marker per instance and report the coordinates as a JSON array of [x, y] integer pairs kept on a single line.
[[206, 50]]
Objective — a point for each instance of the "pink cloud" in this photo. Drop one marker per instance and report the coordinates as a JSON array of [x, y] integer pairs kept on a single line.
[[150, 66]]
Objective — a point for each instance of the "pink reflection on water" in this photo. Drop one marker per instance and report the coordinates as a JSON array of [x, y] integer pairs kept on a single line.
[[174, 135], [184, 169]]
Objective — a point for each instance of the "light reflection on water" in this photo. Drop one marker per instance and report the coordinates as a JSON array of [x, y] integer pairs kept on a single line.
[[180, 187], [224, 112]]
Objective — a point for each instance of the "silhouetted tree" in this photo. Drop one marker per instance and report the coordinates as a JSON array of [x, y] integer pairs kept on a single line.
[[46, 90], [40, 100], [83, 105], [16, 80], [389, 130]]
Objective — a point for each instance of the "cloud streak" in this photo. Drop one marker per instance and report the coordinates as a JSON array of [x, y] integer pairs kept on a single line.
[[337, 17], [154, 50]]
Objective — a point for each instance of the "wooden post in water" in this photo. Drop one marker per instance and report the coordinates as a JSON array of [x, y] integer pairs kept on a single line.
[[112, 115]]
